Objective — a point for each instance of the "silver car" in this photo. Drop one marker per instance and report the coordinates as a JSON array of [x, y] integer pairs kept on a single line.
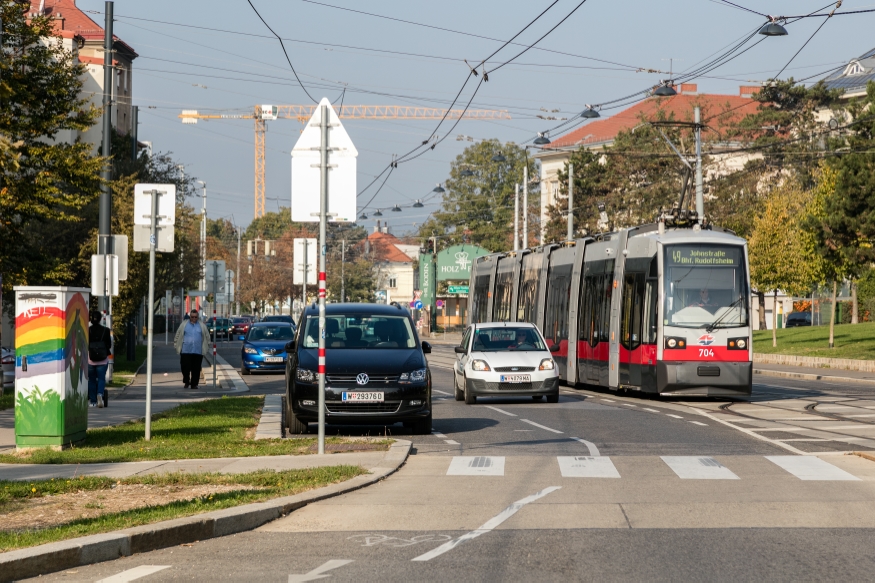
[[7, 357], [505, 359]]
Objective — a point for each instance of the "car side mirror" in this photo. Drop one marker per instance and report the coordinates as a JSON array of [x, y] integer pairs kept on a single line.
[[426, 348], [460, 350], [290, 346], [555, 348]]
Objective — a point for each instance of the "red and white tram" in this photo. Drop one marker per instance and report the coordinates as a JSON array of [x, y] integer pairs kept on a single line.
[[657, 308]]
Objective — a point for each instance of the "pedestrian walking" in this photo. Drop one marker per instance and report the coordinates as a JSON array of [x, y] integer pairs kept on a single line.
[[192, 342], [99, 349]]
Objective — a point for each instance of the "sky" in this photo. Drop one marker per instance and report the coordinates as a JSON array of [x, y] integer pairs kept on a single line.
[[217, 56]]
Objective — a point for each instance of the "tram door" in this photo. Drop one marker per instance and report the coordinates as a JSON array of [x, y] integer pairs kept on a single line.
[[594, 329], [630, 329]]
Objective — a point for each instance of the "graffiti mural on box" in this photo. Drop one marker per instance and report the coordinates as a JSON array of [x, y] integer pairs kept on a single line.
[[51, 362]]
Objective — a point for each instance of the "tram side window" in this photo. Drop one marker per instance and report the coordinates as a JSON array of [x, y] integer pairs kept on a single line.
[[481, 299], [556, 321], [633, 300], [526, 305], [605, 307], [502, 303], [584, 329], [651, 316]]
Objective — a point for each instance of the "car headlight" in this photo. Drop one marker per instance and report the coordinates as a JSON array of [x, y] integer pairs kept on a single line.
[[547, 364], [416, 376], [479, 365], [304, 375], [249, 350]]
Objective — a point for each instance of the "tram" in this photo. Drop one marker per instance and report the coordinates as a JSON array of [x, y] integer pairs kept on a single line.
[[659, 308]]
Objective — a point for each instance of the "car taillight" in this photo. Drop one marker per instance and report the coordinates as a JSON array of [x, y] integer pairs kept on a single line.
[[7, 360]]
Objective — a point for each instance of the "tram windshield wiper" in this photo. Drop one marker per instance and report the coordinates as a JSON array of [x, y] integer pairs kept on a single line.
[[710, 327]]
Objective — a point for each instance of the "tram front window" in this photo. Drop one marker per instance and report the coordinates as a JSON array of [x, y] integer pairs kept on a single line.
[[704, 285]]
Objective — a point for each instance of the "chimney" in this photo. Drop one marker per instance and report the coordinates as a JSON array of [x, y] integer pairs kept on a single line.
[[377, 228], [386, 228], [689, 88], [748, 90]]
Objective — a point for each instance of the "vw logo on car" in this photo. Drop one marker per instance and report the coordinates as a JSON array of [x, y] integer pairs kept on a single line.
[[362, 379]]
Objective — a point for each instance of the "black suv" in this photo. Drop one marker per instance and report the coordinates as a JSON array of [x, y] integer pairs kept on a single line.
[[375, 367]]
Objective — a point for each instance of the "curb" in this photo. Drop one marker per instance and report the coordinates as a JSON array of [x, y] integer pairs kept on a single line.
[[270, 424], [810, 377], [52, 557]]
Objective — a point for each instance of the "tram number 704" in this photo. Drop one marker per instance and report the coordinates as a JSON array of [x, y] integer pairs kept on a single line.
[[706, 352]]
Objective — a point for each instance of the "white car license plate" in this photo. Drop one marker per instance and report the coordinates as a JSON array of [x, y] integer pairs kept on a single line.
[[516, 378], [362, 397], [274, 359]]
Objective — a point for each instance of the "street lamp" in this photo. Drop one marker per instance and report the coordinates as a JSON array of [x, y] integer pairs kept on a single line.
[[377, 214], [541, 140], [772, 28], [364, 217], [590, 113], [499, 158], [466, 173], [396, 209], [418, 204], [438, 189], [665, 90]]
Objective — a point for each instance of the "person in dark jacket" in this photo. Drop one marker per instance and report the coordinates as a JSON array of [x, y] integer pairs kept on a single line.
[[99, 350]]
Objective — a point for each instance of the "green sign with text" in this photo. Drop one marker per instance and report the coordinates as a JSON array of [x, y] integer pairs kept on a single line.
[[457, 289], [454, 263]]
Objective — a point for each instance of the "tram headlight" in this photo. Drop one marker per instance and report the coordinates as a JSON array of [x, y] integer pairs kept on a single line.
[[675, 342], [737, 344]]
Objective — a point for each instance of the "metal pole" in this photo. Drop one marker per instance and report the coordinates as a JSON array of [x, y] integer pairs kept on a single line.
[[304, 287], [153, 242], [516, 218], [700, 202], [204, 237], [135, 115], [168, 296], [237, 276], [215, 325], [104, 240], [323, 219], [525, 206], [342, 261], [570, 201]]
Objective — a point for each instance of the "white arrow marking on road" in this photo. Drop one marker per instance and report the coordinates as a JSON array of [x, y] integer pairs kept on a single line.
[[135, 573], [593, 450], [488, 526], [317, 573]]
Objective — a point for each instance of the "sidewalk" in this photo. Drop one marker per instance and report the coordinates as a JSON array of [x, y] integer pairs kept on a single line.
[[813, 374], [130, 403]]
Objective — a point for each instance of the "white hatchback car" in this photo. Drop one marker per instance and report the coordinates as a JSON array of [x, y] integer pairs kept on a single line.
[[504, 359]]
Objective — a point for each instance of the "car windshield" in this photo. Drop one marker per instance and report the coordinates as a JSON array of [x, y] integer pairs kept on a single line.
[[271, 333], [704, 285], [239, 321], [361, 331], [507, 338]]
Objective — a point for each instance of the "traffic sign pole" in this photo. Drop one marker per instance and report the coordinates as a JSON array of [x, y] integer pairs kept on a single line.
[[323, 218], [215, 324], [153, 242]]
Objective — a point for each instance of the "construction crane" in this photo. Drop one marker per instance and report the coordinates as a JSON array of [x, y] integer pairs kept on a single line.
[[264, 113]]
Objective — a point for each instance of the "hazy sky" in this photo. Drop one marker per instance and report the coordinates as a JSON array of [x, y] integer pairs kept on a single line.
[[181, 67]]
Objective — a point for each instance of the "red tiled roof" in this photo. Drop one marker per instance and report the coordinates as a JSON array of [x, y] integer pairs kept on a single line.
[[383, 247], [606, 130], [73, 21]]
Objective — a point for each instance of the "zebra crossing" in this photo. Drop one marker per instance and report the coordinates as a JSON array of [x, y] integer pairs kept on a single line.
[[807, 468]]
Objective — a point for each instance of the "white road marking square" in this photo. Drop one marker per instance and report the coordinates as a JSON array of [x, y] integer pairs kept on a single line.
[[810, 468], [587, 467], [480, 465], [698, 468], [134, 574]]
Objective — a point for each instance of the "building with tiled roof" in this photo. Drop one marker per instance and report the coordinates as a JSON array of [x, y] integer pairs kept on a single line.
[[720, 110], [83, 37], [854, 77], [394, 264]]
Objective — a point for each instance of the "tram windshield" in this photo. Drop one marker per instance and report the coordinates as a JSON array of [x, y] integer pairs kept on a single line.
[[705, 285]]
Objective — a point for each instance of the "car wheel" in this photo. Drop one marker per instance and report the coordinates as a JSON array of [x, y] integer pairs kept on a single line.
[[537, 397], [422, 427], [244, 371], [553, 398], [470, 398], [458, 393], [296, 426]]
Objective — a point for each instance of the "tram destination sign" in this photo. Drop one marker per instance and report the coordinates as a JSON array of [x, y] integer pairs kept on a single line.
[[698, 256]]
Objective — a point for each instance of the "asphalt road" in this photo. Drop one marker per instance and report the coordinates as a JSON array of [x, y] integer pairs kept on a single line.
[[599, 486]]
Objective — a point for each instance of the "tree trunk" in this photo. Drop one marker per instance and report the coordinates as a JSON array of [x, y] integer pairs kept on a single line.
[[855, 308], [775, 319], [832, 318], [761, 299]]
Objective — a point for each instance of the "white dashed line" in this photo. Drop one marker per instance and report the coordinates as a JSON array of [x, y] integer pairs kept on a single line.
[[651, 410], [673, 416], [608, 401], [541, 426], [451, 442], [630, 405], [438, 434], [500, 410], [699, 423], [441, 392]]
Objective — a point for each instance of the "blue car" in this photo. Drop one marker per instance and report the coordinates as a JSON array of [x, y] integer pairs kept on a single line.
[[265, 347]]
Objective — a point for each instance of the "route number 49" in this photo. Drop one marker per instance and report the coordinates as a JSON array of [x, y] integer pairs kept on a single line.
[[706, 352]]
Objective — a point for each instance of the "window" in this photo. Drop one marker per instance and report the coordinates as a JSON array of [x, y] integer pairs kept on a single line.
[[558, 296], [393, 281], [361, 331], [854, 68], [633, 297], [514, 338]]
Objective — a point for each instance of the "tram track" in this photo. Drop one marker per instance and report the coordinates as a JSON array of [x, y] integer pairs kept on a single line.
[[810, 409]]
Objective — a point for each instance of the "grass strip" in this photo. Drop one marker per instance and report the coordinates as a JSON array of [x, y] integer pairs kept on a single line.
[[7, 398], [124, 370], [268, 483], [215, 428], [852, 341]]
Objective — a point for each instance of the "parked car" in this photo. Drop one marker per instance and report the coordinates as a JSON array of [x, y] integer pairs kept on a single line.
[[505, 359], [795, 319], [7, 358], [240, 326], [220, 328], [285, 319], [265, 347], [376, 372]]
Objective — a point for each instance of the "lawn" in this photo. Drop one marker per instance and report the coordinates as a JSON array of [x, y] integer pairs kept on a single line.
[[215, 428], [7, 398], [91, 505], [125, 370], [853, 341]]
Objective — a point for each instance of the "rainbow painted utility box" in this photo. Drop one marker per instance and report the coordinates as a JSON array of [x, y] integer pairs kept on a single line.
[[51, 366]]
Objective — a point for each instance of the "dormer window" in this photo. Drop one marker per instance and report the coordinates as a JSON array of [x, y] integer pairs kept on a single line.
[[854, 68]]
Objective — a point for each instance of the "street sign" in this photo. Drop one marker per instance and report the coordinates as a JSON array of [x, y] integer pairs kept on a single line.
[[417, 305], [104, 275], [457, 289], [143, 234], [298, 276], [214, 275], [166, 204], [440, 303], [306, 173], [196, 293]]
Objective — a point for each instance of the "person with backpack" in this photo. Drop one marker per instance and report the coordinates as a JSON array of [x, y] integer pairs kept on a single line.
[[99, 349]]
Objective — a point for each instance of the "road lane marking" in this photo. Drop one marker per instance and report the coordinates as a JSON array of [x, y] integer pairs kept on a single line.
[[451, 442], [593, 450], [318, 572], [438, 434], [541, 426], [651, 410], [674, 416], [698, 468], [135, 573], [608, 401], [699, 423], [750, 432], [487, 526], [441, 392], [810, 468], [480, 465], [499, 410], [587, 467], [629, 405]]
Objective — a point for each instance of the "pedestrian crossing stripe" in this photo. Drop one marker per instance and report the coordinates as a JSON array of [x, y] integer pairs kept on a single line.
[[698, 468], [587, 467], [810, 468], [480, 465]]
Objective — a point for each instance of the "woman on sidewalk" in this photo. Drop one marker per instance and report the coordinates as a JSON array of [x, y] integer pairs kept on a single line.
[[192, 342], [99, 349]]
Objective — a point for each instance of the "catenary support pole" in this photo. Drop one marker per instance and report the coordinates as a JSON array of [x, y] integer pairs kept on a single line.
[[237, 276], [525, 206], [570, 201], [700, 202], [516, 217], [323, 219], [342, 271], [215, 324], [104, 223], [306, 267], [150, 310]]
